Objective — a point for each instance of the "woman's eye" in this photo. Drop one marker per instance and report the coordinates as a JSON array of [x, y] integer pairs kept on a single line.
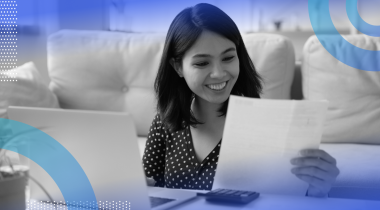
[[201, 64], [228, 58]]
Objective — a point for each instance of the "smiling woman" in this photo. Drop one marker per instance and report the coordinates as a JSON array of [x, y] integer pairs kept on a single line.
[[210, 67], [202, 41], [204, 61]]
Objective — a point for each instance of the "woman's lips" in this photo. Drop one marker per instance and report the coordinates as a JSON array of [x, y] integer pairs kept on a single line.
[[217, 86]]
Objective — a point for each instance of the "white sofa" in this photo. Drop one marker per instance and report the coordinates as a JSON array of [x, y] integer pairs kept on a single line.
[[115, 71]]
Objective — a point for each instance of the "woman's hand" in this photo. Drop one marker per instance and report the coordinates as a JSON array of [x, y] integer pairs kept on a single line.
[[317, 168], [150, 181]]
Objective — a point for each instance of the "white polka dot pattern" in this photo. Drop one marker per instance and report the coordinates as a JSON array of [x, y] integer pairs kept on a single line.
[[8, 47], [169, 158]]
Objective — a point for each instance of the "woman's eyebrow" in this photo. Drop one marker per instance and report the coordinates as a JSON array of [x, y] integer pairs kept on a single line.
[[207, 55], [228, 50]]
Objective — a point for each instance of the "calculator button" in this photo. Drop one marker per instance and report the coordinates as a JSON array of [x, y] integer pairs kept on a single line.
[[226, 195], [238, 192], [216, 191], [223, 191]]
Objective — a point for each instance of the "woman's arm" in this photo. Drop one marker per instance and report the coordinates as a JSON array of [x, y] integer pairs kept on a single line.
[[317, 168], [154, 154]]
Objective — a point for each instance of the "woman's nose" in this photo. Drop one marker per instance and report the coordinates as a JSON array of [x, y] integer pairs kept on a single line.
[[217, 72]]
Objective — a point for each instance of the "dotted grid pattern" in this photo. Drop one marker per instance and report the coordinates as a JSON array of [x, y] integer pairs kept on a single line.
[[77, 205], [8, 40]]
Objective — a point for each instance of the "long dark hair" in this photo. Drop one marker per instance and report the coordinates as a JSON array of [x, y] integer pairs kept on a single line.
[[174, 97]]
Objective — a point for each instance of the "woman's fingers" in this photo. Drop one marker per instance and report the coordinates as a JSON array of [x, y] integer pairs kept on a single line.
[[317, 168], [313, 172], [315, 162], [319, 159], [317, 153]]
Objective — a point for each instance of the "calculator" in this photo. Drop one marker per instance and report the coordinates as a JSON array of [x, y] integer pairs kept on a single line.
[[230, 196]]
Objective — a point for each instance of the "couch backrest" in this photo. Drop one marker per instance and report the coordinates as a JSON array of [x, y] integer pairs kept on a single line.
[[115, 71], [353, 115]]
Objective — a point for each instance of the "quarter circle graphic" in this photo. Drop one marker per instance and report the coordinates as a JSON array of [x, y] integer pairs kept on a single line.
[[43, 149], [352, 55]]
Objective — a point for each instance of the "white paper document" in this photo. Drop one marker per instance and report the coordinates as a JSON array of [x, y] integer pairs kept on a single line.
[[259, 140]]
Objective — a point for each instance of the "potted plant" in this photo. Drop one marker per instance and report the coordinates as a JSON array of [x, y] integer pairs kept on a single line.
[[13, 179]]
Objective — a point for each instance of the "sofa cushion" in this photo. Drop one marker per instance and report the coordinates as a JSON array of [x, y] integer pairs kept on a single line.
[[274, 58], [115, 71], [106, 71], [354, 110], [28, 90]]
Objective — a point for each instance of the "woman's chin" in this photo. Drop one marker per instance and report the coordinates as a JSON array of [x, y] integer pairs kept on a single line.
[[218, 100]]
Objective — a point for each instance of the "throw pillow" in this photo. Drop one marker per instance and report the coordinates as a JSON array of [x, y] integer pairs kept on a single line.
[[23, 86]]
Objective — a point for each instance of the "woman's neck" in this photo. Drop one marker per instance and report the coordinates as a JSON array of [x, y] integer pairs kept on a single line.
[[206, 112]]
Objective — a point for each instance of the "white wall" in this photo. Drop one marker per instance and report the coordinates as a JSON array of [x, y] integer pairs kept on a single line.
[[37, 19], [249, 15], [48, 16], [156, 16]]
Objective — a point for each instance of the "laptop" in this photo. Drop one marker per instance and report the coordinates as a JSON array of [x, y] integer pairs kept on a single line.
[[105, 144]]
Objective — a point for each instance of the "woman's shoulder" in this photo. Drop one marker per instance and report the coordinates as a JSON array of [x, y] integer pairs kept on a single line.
[[159, 124], [158, 119]]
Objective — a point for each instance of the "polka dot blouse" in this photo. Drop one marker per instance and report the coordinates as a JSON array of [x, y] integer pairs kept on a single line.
[[169, 158]]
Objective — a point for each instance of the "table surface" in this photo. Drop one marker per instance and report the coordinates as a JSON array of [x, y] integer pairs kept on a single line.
[[281, 202], [273, 202]]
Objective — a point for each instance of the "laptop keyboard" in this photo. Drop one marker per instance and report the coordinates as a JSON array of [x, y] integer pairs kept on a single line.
[[156, 201]]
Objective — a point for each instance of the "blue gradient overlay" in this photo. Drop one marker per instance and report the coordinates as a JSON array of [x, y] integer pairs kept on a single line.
[[350, 55], [51, 156], [358, 22], [84, 15]]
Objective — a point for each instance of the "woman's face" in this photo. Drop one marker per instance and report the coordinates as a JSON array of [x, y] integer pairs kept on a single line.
[[211, 67]]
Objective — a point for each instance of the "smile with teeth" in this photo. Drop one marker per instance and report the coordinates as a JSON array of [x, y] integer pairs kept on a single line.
[[219, 86]]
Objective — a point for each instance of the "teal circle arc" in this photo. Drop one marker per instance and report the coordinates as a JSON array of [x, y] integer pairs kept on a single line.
[[358, 22], [335, 44], [53, 157]]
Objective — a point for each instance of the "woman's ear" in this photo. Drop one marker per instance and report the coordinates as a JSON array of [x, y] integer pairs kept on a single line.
[[176, 66]]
